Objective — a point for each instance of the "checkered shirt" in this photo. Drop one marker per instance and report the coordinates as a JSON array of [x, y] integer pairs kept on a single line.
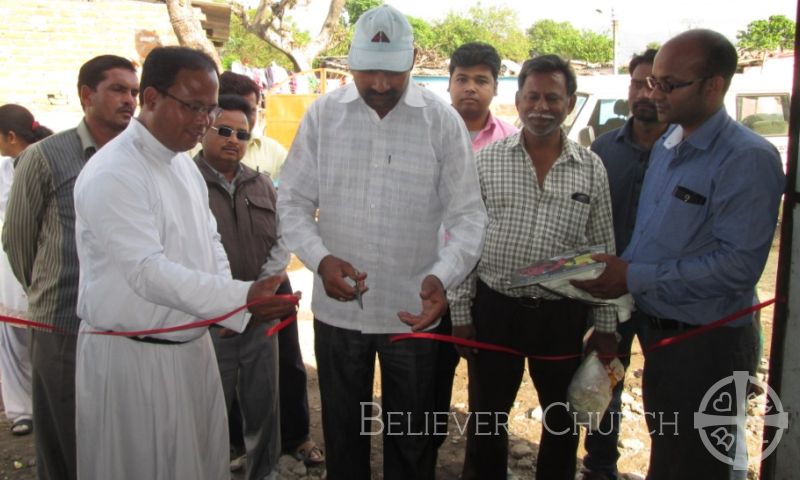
[[528, 223]]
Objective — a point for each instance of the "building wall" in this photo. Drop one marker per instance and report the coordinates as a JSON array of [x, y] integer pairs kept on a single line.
[[43, 43]]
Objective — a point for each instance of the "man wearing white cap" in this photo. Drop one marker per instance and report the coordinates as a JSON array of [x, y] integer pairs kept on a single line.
[[386, 163]]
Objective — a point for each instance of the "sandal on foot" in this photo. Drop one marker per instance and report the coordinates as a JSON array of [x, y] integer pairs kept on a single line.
[[22, 427], [310, 454]]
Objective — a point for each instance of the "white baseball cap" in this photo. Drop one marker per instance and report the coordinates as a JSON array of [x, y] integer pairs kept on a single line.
[[383, 40]]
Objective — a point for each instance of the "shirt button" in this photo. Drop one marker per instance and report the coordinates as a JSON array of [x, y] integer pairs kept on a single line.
[[371, 205]]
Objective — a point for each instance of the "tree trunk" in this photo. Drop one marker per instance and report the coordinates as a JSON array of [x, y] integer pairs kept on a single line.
[[188, 29], [267, 24]]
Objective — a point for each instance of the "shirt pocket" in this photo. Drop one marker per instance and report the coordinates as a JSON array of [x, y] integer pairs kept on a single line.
[[683, 219], [263, 220], [411, 182], [567, 217]]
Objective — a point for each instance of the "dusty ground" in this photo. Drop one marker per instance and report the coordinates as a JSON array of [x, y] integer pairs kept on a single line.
[[16, 453]]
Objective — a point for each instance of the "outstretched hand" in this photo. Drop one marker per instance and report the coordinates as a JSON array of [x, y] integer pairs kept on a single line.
[[434, 304]]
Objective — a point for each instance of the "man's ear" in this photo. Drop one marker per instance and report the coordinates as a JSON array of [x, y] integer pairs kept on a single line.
[[414, 60], [572, 100], [149, 96], [716, 85], [85, 94]]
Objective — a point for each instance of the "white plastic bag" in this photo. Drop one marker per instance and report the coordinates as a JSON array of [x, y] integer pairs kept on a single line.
[[590, 390]]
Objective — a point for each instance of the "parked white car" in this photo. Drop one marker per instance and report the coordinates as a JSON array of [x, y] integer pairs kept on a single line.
[[760, 102]]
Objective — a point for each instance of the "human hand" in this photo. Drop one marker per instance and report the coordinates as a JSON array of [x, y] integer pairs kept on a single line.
[[612, 283], [333, 271], [434, 304], [466, 332], [605, 344], [269, 306]]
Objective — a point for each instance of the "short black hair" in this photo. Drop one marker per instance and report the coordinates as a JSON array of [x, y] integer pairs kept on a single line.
[[476, 53], [94, 71], [18, 119], [549, 64], [720, 57], [237, 84], [235, 102], [648, 57], [162, 65]]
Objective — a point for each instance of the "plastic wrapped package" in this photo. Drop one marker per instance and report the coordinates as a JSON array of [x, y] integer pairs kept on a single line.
[[590, 390]]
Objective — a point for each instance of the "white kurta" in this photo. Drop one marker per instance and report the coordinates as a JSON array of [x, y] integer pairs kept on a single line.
[[15, 361], [150, 258]]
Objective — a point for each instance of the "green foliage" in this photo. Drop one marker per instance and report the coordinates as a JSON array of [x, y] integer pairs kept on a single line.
[[654, 45], [594, 47], [566, 41], [340, 42], [424, 35], [356, 8], [248, 48], [775, 33], [496, 26]]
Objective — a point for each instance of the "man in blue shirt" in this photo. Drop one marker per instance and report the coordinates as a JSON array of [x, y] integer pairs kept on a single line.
[[704, 228], [625, 152]]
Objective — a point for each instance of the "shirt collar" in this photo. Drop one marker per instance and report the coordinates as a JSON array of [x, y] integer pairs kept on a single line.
[[411, 97], [255, 140], [568, 148], [625, 134], [150, 144], [88, 145], [489, 126], [701, 138]]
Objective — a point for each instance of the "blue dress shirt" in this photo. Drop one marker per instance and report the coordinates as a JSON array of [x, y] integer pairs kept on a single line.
[[705, 222], [626, 163]]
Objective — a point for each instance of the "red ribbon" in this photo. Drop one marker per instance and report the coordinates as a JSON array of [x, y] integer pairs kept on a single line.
[[659, 344], [176, 328]]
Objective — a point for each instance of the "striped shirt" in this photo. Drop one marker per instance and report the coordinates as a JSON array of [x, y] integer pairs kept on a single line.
[[39, 229], [528, 223]]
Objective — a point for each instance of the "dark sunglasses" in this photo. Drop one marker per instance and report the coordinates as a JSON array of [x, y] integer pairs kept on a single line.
[[228, 131]]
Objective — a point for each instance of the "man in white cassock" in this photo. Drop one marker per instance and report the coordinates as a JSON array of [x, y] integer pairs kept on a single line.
[[151, 406]]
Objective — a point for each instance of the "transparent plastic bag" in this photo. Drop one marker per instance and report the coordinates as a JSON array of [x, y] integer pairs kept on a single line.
[[589, 393]]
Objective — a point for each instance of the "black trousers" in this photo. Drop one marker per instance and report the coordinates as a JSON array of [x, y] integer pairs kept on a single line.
[[350, 415], [53, 382], [676, 380], [549, 328]]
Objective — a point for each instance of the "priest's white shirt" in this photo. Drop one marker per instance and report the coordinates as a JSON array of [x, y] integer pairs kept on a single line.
[[150, 258]]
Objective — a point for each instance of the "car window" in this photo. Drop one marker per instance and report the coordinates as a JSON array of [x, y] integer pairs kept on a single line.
[[609, 113], [579, 104]]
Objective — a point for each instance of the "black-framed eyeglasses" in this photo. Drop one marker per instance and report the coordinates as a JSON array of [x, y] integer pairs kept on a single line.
[[196, 109], [228, 131], [667, 87]]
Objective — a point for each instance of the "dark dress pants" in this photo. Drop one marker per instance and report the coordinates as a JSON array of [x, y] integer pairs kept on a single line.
[[676, 379], [293, 389], [248, 367], [536, 328], [447, 359], [346, 364], [53, 385], [601, 445]]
